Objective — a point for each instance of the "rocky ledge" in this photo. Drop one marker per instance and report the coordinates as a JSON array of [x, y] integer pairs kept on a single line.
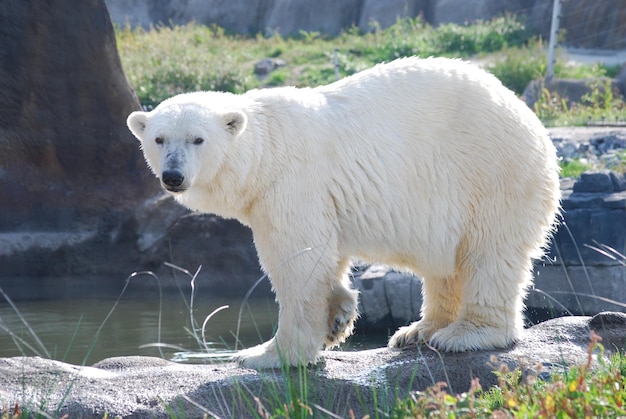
[[136, 387]]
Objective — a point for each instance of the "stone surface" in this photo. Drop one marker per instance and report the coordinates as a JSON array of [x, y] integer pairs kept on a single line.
[[461, 12], [375, 13], [69, 169], [595, 182], [267, 65], [224, 248], [596, 24], [151, 387], [67, 158]]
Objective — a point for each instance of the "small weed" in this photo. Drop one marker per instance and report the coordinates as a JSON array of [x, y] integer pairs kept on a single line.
[[276, 78]]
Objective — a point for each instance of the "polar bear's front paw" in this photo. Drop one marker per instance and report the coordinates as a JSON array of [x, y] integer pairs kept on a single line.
[[270, 355], [341, 318], [260, 356], [414, 333]]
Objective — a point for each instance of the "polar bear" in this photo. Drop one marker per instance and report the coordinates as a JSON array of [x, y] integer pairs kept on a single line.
[[428, 165]]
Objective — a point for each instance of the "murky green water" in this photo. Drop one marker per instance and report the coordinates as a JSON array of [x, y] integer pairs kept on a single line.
[[68, 329]]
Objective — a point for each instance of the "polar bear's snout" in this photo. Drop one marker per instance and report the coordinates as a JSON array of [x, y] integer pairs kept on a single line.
[[173, 180]]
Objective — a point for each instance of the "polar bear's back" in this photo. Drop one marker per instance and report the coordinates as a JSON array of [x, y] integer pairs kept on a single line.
[[428, 148]]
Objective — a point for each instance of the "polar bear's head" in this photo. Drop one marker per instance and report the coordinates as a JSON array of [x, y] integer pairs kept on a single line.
[[184, 139]]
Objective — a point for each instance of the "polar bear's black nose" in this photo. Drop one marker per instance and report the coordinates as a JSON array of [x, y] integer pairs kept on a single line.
[[172, 178]]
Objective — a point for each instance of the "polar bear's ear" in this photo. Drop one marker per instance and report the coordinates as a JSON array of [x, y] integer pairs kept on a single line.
[[236, 122], [137, 123]]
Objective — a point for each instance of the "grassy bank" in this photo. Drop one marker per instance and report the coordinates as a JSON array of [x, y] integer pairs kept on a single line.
[[165, 61]]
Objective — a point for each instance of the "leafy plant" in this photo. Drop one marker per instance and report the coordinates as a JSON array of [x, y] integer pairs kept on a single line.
[[574, 168], [517, 66]]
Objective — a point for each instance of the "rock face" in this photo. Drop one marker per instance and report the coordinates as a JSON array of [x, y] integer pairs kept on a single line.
[[65, 149], [68, 166], [606, 29], [77, 207], [598, 24], [362, 381], [588, 270]]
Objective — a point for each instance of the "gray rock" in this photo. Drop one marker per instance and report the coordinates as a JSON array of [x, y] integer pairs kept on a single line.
[[153, 219], [619, 181], [374, 309], [267, 65], [362, 381], [594, 182], [68, 160], [387, 298]]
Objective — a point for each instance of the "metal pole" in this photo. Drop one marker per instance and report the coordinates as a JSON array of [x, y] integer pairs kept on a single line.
[[554, 33], [336, 62]]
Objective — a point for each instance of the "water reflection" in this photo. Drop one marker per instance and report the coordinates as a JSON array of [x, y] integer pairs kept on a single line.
[[68, 328]]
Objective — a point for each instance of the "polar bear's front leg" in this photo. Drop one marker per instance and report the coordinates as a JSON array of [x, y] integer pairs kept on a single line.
[[303, 282], [298, 340]]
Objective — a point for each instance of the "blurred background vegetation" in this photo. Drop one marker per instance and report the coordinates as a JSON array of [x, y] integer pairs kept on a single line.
[[165, 60]]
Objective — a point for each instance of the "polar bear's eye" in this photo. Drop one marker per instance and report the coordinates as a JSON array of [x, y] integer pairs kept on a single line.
[[158, 140], [198, 141]]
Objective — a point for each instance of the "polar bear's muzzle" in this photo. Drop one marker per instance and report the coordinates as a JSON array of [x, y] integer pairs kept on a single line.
[[173, 180]]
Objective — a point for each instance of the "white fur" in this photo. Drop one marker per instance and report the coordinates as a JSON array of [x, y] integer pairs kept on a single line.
[[429, 165]]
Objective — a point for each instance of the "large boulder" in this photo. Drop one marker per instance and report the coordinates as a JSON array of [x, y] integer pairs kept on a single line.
[[66, 152], [359, 381], [70, 172]]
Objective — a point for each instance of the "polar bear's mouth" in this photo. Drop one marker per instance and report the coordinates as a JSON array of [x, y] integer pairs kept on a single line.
[[175, 190]]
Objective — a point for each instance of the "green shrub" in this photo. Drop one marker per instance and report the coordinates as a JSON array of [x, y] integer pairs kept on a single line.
[[518, 66], [483, 37], [574, 168]]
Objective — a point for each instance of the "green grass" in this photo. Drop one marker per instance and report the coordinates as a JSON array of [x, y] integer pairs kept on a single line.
[[574, 168], [581, 391], [165, 61]]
